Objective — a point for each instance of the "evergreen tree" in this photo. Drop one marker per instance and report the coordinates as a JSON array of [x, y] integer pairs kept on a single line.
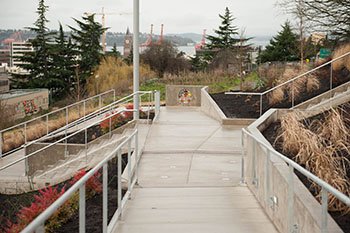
[[87, 39], [63, 65], [198, 63], [282, 47], [37, 63], [227, 34], [115, 52]]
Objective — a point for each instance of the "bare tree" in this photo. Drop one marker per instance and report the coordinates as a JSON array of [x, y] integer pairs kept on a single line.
[[332, 16]]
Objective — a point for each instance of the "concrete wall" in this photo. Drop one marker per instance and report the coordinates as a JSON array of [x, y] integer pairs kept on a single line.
[[26, 103], [175, 95], [307, 211], [209, 107]]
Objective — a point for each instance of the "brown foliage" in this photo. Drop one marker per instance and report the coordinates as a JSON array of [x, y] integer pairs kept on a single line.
[[320, 151], [338, 65]]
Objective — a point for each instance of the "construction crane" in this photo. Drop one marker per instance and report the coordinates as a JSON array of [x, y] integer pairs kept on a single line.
[[150, 37], [103, 24], [14, 37], [149, 40], [161, 35], [202, 43]]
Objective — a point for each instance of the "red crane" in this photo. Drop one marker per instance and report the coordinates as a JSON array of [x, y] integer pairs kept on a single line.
[[161, 35], [149, 40], [14, 37], [202, 43]]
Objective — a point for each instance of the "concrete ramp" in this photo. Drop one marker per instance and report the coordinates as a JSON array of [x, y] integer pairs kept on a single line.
[[189, 180]]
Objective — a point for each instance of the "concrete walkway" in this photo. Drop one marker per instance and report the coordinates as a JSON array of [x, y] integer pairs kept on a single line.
[[189, 180]]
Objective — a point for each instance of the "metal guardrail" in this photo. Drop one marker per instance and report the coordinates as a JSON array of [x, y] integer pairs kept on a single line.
[[83, 119], [326, 188], [47, 115], [291, 81], [38, 224], [108, 108]]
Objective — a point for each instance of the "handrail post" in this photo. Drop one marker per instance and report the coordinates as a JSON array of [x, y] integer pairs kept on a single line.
[[119, 184], [82, 214], [157, 103], [136, 156], [47, 124], [100, 101], [242, 158], [110, 127], [25, 133], [113, 95], [0, 144], [261, 104], [293, 93], [324, 200], [253, 162], [129, 165], [105, 198]]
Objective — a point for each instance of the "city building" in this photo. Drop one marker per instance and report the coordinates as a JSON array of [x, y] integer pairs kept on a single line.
[[17, 49], [4, 56], [127, 44], [4, 80]]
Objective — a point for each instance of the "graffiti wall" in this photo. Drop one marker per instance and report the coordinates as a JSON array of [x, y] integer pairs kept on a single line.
[[30, 107]]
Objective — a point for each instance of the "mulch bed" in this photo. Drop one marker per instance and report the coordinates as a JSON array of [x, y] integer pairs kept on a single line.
[[272, 132], [11, 204], [235, 106]]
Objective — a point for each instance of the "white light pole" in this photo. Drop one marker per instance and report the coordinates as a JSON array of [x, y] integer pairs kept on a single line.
[[136, 58]]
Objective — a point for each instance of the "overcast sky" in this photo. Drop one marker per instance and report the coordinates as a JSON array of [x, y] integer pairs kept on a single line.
[[258, 17]]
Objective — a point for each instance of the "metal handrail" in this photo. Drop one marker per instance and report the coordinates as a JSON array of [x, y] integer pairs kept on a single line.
[[66, 137], [60, 140], [55, 111], [326, 188], [79, 121], [290, 81], [66, 108], [38, 223]]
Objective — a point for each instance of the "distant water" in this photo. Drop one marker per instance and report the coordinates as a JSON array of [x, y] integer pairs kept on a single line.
[[189, 50]]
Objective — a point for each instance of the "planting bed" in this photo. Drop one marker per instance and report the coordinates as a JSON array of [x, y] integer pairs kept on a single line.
[[244, 106], [93, 132], [11, 204], [273, 133]]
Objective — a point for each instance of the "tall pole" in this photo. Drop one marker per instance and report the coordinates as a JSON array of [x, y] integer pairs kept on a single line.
[[136, 58]]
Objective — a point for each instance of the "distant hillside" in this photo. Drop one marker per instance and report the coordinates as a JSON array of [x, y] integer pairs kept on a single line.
[[193, 36], [118, 38], [111, 37], [25, 34]]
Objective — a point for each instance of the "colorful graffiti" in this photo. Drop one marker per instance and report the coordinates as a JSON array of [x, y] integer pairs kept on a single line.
[[185, 96], [30, 107]]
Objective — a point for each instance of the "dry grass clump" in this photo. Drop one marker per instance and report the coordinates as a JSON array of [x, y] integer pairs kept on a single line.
[[321, 151], [306, 83], [338, 65], [115, 73]]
